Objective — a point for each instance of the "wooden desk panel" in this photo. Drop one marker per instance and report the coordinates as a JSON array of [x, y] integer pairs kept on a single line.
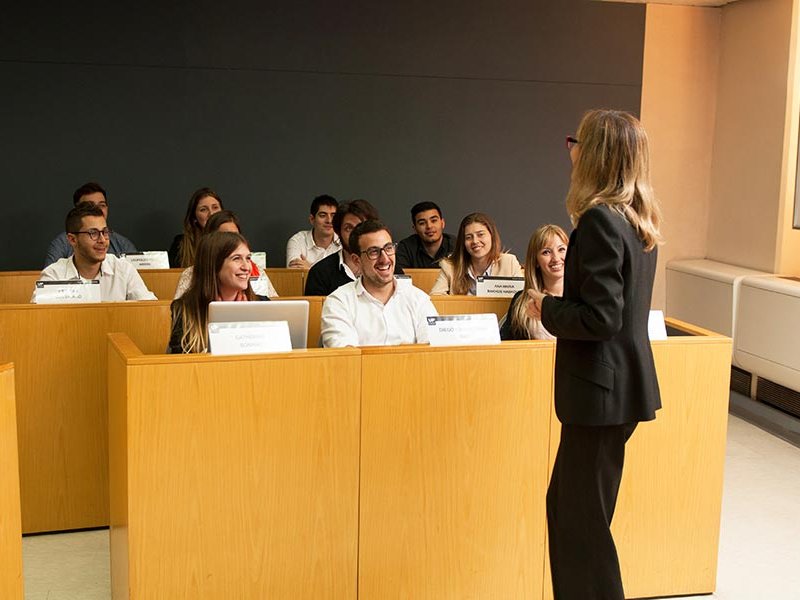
[[10, 521], [16, 287], [470, 305], [59, 353], [666, 525], [454, 447], [423, 278], [287, 282], [234, 477]]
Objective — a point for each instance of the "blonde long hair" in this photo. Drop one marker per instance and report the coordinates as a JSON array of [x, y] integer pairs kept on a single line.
[[521, 322], [460, 259], [191, 309], [613, 168]]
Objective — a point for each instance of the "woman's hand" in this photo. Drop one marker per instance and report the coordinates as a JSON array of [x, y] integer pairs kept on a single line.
[[534, 308]]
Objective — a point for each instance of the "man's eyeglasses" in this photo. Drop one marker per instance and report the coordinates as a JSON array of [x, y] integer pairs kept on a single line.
[[94, 234], [571, 142], [374, 252]]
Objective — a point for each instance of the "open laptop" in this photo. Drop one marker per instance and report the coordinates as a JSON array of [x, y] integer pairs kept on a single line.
[[295, 312]]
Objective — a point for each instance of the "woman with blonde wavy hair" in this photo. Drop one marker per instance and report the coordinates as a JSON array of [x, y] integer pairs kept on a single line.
[[478, 251], [544, 272], [221, 272], [605, 378]]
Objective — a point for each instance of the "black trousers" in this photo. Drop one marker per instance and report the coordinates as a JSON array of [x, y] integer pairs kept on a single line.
[[580, 505]]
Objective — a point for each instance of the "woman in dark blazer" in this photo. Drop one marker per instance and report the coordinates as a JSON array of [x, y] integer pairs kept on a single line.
[[605, 380]]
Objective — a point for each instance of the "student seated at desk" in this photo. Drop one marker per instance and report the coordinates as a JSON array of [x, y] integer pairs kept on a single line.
[[544, 272], [221, 272], [226, 220], [477, 252], [89, 236], [339, 268], [203, 203], [93, 193], [374, 310]]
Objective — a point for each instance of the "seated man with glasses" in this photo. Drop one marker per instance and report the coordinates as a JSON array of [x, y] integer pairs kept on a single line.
[[95, 194], [374, 310], [88, 236]]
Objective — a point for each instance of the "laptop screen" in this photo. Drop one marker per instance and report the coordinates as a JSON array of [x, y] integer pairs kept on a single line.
[[295, 312]]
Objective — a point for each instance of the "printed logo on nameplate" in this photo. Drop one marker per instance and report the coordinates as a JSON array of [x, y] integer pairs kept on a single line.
[[500, 287], [154, 259], [463, 330], [249, 337], [74, 291]]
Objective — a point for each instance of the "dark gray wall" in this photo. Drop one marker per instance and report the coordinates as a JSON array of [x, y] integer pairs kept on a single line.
[[270, 103]]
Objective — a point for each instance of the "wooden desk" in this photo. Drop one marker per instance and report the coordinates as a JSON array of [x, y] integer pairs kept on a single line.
[[470, 305], [454, 445], [234, 477], [59, 352], [455, 450], [16, 287], [423, 278], [10, 522]]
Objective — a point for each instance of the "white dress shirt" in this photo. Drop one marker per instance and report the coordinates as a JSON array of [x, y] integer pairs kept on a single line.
[[119, 279], [303, 243], [352, 317]]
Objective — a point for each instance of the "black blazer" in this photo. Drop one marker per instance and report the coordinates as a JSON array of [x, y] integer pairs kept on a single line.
[[605, 373]]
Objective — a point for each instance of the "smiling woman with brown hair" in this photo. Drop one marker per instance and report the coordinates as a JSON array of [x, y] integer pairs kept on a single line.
[[478, 251]]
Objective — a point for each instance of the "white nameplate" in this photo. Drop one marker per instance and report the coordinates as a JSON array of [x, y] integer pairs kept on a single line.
[[259, 285], [500, 287], [74, 291], [463, 330], [249, 337], [260, 258], [656, 328], [403, 282], [155, 259]]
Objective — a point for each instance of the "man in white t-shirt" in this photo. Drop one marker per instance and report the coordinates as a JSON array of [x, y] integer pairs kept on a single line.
[[374, 310], [88, 236], [308, 247]]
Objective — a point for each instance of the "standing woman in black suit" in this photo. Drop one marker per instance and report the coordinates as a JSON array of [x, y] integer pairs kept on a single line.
[[605, 380]]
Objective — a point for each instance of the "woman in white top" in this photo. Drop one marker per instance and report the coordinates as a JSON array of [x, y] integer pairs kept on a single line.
[[478, 252], [544, 272], [226, 220]]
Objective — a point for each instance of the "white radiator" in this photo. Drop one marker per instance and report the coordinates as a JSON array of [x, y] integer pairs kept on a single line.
[[705, 293], [767, 341]]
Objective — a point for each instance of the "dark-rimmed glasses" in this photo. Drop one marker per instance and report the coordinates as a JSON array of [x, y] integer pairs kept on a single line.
[[571, 142], [374, 252], [94, 234]]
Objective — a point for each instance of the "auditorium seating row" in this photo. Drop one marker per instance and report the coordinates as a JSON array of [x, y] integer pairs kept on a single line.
[[391, 472], [16, 287]]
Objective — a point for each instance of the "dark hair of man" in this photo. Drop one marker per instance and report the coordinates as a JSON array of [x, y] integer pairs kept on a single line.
[[86, 189], [365, 228], [422, 207], [323, 200], [75, 216], [219, 219], [360, 208]]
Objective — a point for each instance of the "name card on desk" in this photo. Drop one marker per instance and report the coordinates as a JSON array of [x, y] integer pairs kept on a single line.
[[155, 259], [260, 258], [403, 281], [249, 337], [74, 291], [656, 328], [499, 287], [463, 330]]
